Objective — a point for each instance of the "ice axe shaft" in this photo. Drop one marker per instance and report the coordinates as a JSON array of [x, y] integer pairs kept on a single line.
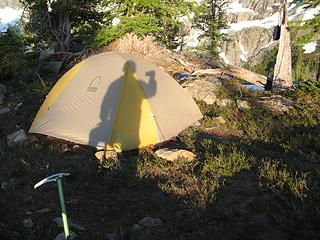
[[63, 209]]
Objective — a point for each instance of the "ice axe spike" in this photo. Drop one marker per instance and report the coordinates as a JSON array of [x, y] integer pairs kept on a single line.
[[57, 178]]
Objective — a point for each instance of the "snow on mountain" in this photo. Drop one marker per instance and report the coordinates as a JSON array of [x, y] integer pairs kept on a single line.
[[310, 47], [251, 25], [9, 16]]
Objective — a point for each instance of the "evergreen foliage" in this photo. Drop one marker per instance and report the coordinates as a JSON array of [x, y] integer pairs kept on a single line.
[[211, 18], [61, 22], [158, 17], [15, 59]]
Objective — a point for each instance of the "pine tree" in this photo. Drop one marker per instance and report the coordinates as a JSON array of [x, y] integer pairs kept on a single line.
[[157, 17], [211, 17]]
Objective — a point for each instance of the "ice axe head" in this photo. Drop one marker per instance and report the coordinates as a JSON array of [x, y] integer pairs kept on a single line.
[[52, 178]]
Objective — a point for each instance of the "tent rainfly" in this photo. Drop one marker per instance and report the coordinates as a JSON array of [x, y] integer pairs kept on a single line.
[[116, 101]]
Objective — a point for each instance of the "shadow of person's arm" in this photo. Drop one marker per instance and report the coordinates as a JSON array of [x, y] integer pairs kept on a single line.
[[151, 85]]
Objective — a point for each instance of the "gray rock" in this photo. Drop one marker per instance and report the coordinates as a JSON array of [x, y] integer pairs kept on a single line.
[[4, 110], [277, 103], [28, 213], [224, 102], [3, 91], [29, 199], [59, 222], [149, 229], [16, 138], [8, 185], [243, 105], [60, 236], [110, 236], [175, 154], [196, 124], [43, 210], [203, 90], [27, 223], [219, 120]]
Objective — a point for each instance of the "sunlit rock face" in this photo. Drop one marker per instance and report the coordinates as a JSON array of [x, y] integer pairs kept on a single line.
[[251, 25]]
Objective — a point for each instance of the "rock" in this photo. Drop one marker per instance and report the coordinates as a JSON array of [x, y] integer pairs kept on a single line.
[[27, 223], [3, 91], [19, 105], [105, 155], [16, 138], [60, 236], [277, 103], [28, 213], [175, 154], [7, 185], [110, 236], [4, 110], [31, 139], [29, 199], [243, 105], [224, 102], [43, 210], [149, 229], [59, 222], [219, 120], [150, 222], [203, 90], [196, 124]]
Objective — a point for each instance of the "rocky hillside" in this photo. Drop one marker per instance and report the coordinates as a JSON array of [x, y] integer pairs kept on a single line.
[[251, 27]]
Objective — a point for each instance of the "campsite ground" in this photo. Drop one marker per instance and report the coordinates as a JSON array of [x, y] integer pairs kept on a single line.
[[255, 177]]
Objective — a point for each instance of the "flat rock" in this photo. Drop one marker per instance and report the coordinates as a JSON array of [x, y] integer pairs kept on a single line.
[[243, 105], [60, 236], [203, 90], [4, 110], [175, 154], [219, 120], [43, 210], [16, 138], [105, 155], [27, 223], [224, 102], [277, 103], [149, 229]]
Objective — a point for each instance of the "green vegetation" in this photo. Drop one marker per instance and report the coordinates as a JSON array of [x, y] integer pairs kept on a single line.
[[211, 17], [259, 165]]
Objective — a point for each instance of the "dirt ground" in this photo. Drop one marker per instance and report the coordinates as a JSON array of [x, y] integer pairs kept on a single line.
[[103, 200]]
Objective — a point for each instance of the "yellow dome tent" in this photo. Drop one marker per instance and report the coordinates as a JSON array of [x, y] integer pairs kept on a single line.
[[116, 101]]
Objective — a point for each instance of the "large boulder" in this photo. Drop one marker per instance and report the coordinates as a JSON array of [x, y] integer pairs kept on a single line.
[[203, 89]]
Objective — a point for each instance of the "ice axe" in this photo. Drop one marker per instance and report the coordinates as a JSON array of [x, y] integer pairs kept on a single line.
[[58, 179]]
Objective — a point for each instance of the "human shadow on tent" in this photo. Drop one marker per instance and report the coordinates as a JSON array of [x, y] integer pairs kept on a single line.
[[125, 112]]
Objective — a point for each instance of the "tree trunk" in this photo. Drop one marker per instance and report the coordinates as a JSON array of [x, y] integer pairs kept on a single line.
[[318, 74], [282, 78]]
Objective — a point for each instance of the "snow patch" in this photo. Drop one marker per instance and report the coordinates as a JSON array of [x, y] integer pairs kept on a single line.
[[236, 7], [244, 53], [224, 58], [267, 23], [9, 16], [310, 47]]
